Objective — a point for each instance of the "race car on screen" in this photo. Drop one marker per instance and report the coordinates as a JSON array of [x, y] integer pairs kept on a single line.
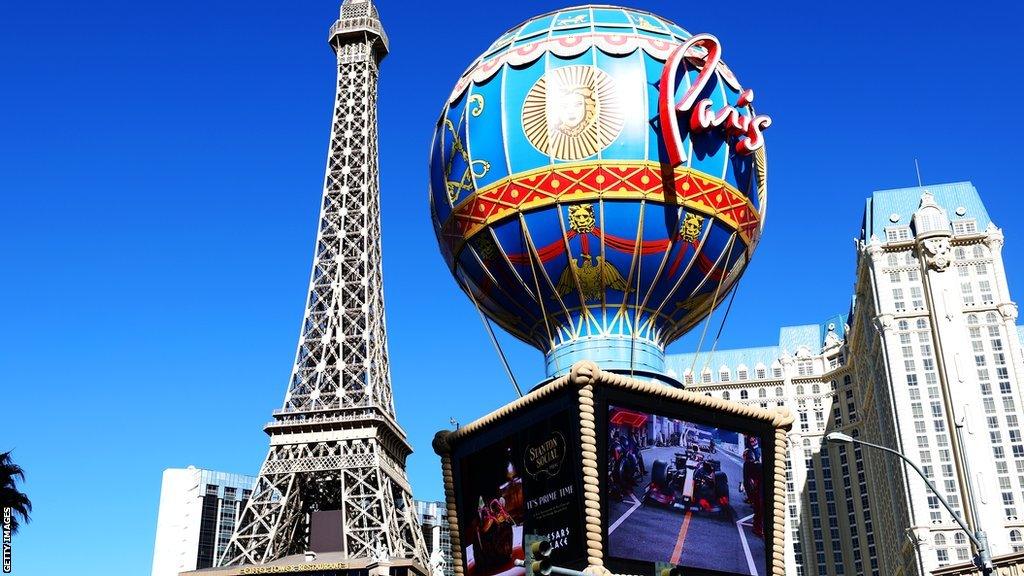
[[691, 482]]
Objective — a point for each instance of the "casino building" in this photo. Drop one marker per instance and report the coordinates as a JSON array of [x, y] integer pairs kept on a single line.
[[927, 361], [433, 520], [199, 509], [198, 512]]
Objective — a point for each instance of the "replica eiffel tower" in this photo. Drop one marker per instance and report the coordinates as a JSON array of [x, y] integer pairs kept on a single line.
[[334, 479]]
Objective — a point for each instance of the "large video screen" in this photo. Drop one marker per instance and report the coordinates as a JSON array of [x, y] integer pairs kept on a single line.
[[520, 486], [685, 493]]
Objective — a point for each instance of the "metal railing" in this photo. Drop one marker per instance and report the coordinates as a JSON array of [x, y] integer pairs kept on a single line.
[[359, 23]]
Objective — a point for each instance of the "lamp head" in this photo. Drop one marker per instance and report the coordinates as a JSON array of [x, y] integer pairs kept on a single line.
[[838, 437]]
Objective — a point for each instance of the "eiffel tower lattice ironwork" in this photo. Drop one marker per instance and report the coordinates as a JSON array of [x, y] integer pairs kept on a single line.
[[335, 444]]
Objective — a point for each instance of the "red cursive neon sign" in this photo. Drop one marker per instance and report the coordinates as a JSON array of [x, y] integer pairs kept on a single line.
[[747, 128]]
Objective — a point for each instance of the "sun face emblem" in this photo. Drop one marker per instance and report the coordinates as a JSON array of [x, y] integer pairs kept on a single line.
[[573, 112]]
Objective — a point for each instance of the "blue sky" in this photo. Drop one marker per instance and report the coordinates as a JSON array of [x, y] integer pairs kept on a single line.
[[160, 173]]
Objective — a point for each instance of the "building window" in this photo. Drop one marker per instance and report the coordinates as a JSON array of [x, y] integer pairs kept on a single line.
[[897, 234], [725, 395], [761, 373], [705, 376], [762, 393], [723, 374], [985, 288], [778, 391], [897, 300], [891, 260], [965, 227], [968, 293], [979, 252], [743, 395], [741, 373], [776, 372], [688, 378], [804, 367], [930, 218], [916, 298]]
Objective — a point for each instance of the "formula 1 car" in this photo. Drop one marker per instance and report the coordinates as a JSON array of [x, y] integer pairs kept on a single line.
[[694, 483]]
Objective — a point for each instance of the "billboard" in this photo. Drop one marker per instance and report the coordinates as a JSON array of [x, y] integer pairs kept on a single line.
[[517, 482], [685, 493]]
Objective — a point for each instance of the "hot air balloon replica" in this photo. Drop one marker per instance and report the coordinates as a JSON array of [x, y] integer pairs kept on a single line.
[[598, 184]]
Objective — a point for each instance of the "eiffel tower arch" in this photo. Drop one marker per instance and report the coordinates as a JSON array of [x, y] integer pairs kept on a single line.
[[337, 454]]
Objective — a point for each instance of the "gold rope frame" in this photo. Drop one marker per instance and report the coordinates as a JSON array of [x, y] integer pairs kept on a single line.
[[586, 376]]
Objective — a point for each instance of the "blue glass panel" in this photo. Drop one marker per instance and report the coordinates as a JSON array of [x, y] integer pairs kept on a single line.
[[534, 26], [611, 16]]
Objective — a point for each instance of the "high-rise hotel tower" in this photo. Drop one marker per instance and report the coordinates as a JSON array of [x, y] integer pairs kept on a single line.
[[928, 361]]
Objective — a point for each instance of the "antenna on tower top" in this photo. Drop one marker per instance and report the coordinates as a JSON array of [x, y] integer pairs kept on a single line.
[[917, 167]]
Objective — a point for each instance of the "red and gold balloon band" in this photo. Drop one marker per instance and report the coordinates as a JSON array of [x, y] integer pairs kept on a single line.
[[624, 245], [602, 180]]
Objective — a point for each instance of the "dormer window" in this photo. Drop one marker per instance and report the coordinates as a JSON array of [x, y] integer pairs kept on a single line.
[[897, 233], [965, 227], [929, 217], [804, 367]]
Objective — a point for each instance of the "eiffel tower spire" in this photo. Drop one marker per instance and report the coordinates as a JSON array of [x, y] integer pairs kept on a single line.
[[337, 454]]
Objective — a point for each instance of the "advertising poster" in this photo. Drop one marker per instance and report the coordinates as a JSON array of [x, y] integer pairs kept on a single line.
[[685, 493], [524, 484]]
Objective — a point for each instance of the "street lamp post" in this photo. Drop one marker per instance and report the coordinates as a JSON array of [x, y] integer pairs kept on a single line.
[[983, 559]]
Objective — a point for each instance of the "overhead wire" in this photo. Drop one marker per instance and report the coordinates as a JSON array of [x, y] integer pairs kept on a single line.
[[494, 340], [714, 303], [721, 326]]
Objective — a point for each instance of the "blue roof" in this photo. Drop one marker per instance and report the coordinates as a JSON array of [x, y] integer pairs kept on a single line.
[[791, 338], [838, 323], [905, 201], [679, 364]]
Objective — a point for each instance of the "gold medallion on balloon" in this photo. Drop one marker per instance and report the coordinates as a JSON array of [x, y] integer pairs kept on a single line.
[[572, 112]]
